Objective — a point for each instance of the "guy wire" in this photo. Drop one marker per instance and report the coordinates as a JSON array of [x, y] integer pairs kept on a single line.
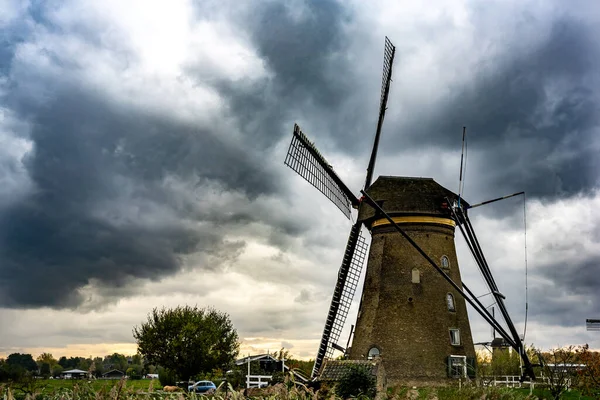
[[526, 285]]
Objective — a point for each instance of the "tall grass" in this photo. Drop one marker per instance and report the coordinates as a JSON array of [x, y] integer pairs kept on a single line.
[[289, 390]]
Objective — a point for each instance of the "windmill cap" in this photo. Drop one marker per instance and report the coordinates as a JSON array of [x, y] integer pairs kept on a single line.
[[405, 196]]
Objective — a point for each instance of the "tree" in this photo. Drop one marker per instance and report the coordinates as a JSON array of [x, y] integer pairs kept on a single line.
[[46, 358], [187, 340], [98, 367], [63, 362], [357, 381], [590, 375], [45, 370], [116, 361], [559, 367], [57, 370], [22, 360], [505, 362]]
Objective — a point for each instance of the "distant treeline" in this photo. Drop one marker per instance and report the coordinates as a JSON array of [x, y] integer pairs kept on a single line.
[[17, 364]]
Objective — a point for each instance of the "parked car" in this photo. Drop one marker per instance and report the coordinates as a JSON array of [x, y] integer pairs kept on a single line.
[[202, 387]]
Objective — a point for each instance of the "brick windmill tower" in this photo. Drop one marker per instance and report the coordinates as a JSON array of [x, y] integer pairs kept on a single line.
[[409, 315], [413, 307]]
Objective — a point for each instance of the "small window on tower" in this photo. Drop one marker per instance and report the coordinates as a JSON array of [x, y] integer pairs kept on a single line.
[[457, 366], [445, 262], [455, 337], [416, 275], [450, 302], [374, 352]]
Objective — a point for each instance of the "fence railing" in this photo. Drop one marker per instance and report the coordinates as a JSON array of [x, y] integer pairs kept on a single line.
[[514, 381], [257, 381]]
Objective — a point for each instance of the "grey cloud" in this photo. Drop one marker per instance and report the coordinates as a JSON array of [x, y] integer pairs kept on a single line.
[[305, 53], [287, 345], [532, 116], [101, 213], [304, 297], [567, 293]]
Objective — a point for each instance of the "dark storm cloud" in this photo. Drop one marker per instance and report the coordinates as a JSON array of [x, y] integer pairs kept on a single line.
[[531, 115], [567, 293], [305, 52], [101, 212], [56, 240]]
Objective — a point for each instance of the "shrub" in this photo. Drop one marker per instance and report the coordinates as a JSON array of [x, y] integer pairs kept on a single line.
[[358, 380], [277, 377], [166, 377]]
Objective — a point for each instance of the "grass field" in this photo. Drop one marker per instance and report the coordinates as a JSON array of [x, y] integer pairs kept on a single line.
[[50, 386]]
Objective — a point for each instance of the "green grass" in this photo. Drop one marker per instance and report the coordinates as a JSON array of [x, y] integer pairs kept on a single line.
[[544, 394], [50, 386]]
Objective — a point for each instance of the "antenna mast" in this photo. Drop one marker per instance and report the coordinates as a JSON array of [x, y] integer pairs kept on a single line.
[[388, 60], [462, 153]]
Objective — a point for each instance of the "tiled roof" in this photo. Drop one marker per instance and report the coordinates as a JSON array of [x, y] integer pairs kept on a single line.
[[334, 370]]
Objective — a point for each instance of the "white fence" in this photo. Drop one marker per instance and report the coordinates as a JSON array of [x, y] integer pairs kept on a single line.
[[257, 381], [513, 381]]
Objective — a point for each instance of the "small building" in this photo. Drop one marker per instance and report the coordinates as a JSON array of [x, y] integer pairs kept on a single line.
[[113, 374], [269, 365], [266, 362], [74, 374], [334, 370]]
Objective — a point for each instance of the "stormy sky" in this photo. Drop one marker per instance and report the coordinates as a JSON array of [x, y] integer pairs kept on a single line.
[[142, 148]]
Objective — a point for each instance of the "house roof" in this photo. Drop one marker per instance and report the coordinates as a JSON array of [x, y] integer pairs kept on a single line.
[[334, 370], [113, 370], [257, 357], [74, 371]]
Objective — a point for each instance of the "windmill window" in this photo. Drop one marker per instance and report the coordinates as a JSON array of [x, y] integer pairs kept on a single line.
[[416, 275], [373, 352], [445, 262], [455, 337], [450, 302], [457, 366]]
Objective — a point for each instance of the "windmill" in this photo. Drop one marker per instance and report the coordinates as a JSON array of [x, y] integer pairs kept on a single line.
[[412, 311]]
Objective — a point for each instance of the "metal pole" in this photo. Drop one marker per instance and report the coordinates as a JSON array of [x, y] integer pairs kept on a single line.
[[433, 264]]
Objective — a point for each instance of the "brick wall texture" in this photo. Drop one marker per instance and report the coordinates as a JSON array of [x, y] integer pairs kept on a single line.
[[409, 323]]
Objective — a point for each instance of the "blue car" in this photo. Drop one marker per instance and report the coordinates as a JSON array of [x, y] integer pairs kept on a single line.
[[202, 387]]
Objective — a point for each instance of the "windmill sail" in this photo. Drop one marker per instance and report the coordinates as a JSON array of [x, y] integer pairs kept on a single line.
[[347, 281], [388, 60], [304, 158]]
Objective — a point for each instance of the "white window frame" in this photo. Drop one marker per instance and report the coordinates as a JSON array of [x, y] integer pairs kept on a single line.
[[448, 297], [371, 356], [452, 342], [442, 262], [464, 365]]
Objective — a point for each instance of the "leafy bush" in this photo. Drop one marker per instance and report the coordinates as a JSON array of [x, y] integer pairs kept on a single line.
[[166, 377], [358, 380], [277, 377]]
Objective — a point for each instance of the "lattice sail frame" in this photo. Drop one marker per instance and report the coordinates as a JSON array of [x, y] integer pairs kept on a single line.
[[347, 282], [388, 57], [352, 279], [304, 158]]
